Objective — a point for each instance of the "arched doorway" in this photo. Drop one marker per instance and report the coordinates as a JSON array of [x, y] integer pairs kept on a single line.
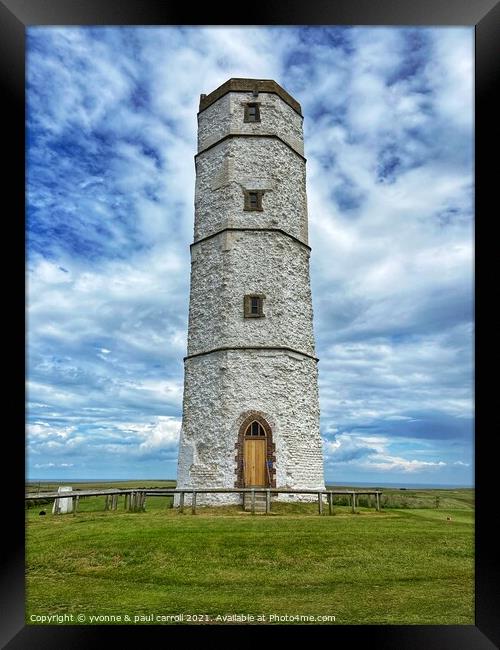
[[255, 458]]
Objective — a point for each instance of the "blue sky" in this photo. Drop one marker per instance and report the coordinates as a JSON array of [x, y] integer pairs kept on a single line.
[[388, 121]]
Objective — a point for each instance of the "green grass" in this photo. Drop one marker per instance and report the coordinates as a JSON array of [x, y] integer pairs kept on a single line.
[[405, 565]]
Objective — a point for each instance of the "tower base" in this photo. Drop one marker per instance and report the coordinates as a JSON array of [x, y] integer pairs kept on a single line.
[[243, 498]]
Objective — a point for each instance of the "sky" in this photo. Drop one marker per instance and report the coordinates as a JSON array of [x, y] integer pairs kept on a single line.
[[111, 135]]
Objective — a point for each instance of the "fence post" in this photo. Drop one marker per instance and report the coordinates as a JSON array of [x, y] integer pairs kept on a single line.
[[268, 502], [320, 503], [330, 503], [253, 501], [352, 501], [193, 504], [181, 502], [378, 501]]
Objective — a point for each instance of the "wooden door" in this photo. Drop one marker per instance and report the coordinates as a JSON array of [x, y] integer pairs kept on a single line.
[[255, 462]]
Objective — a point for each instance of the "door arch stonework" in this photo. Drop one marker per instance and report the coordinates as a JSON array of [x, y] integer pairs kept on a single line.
[[255, 416]]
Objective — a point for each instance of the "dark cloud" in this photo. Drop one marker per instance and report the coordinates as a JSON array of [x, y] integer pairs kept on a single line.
[[436, 426]]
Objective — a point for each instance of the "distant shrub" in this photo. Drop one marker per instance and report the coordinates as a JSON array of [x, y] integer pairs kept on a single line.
[[35, 503]]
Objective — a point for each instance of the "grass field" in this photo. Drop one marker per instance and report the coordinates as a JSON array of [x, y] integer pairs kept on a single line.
[[405, 565]]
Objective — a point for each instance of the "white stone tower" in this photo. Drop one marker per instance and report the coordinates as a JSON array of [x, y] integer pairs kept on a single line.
[[251, 407]]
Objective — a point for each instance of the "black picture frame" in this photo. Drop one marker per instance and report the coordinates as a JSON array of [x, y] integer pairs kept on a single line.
[[484, 15]]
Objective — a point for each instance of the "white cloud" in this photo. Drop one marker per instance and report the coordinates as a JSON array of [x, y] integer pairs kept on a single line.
[[396, 464], [45, 431], [49, 465], [164, 434], [372, 454]]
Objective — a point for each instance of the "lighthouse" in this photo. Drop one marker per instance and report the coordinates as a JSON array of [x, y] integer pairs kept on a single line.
[[250, 405]]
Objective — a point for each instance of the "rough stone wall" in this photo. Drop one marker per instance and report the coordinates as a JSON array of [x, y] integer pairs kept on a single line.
[[226, 116], [225, 268], [220, 389], [242, 85], [223, 172]]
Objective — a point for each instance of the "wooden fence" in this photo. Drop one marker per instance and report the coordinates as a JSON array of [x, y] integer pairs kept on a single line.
[[135, 499]]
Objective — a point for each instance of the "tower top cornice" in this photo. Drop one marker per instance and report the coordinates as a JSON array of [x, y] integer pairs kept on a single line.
[[249, 85]]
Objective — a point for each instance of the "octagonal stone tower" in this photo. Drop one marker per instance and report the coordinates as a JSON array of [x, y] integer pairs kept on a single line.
[[251, 407]]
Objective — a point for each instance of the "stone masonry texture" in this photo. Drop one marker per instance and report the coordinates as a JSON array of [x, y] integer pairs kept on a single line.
[[238, 369]]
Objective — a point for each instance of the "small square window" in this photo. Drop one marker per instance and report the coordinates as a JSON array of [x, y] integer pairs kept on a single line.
[[252, 112], [253, 305], [253, 199]]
